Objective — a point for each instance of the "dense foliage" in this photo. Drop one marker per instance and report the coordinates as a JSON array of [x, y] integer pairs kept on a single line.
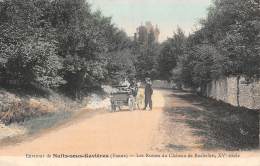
[[171, 50], [227, 44], [146, 50], [64, 44], [60, 43]]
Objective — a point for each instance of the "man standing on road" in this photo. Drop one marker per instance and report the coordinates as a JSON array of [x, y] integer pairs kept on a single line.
[[148, 94]]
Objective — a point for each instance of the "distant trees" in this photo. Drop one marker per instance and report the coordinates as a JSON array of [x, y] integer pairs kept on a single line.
[[146, 50], [171, 51], [146, 62], [121, 65]]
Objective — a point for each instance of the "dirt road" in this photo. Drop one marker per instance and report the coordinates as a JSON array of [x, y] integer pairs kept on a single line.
[[120, 132], [179, 122]]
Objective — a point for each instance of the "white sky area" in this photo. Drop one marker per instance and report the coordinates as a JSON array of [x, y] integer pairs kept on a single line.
[[168, 14]]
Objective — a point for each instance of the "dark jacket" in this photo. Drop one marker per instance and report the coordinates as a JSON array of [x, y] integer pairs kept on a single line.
[[148, 90]]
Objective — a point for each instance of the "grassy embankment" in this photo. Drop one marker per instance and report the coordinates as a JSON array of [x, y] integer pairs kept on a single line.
[[27, 112]]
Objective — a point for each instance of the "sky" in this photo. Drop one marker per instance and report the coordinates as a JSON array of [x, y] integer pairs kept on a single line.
[[168, 14]]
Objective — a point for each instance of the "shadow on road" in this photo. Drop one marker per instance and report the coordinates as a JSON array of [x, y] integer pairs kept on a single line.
[[218, 125], [177, 147]]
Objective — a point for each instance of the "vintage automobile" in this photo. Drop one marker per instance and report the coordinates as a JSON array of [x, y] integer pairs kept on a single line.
[[121, 97]]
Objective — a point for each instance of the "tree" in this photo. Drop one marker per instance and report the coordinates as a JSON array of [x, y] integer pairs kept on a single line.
[[35, 62], [167, 60], [84, 40], [233, 27], [172, 50], [146, 61], [120, 66], [59, 43], [226, 45], [27, 48]]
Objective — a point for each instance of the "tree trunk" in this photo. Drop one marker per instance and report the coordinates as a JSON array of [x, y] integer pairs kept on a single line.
[[238, 91]]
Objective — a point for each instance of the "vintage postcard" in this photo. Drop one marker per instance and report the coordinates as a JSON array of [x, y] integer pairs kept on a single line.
[[129, 82]]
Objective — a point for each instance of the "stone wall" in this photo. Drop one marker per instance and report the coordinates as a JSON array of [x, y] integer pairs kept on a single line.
[[227, 90]]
